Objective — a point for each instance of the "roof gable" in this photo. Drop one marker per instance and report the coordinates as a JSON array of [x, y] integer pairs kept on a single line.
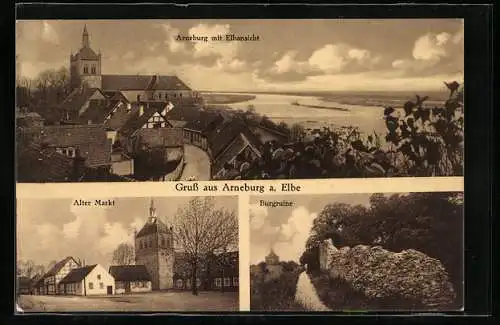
[[86, 53], [152, 227], [78, 274], [79, 96], [59, 265], [130, 273], [142, 82]]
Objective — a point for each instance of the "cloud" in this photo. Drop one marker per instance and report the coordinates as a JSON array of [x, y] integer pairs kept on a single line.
[[258, 216], [173, 45], [327, 60], [431, 47], [287, 239], [434, 53], [223, 50], [130, 55], [48, 33], [295, 232]]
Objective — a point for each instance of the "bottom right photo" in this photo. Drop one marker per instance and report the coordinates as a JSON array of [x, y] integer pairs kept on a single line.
[[357, 252]]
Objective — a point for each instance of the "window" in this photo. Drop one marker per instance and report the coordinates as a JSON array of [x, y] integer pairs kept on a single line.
[[163, 242], [101, 285], [85, 69], [198, 282], [227, 282], [179, 283], [235, 281], [188, 283], [93, 69], [91, 285], [98, 277], [159, 95], [218, 282]]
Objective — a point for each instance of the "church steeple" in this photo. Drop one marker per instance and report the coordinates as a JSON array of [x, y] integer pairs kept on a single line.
[[85, 37], [152, 211]]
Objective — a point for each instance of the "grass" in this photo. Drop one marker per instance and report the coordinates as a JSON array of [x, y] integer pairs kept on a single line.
[[275, 295]]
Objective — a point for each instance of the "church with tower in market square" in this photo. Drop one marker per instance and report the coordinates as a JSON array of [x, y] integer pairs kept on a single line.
[[169, 267]]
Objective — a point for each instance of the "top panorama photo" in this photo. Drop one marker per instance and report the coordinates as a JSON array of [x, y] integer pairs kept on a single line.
[[169, 100]]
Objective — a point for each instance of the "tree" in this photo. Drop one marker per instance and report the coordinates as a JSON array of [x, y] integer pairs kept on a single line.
[[297, 132], [201, 229], [26, 268], [124, 255], [428, 222]]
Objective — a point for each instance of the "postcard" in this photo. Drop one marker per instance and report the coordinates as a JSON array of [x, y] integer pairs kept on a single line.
[[360, 252], [169, 100], [134, 255]]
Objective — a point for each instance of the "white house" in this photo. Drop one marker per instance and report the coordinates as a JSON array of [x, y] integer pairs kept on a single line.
[[88, 281]]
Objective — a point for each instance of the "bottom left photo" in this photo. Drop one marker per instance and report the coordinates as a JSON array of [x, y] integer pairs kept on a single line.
[[143, 254]]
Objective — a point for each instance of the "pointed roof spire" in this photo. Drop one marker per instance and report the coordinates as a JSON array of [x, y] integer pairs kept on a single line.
[[85, 37], [152, 211]]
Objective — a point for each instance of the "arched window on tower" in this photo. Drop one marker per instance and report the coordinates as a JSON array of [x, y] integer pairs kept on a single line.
[[85, 69], [92, 69]]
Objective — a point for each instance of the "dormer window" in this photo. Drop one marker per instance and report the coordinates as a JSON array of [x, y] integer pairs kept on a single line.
[[85, 69], [93, 69], [129, 107]]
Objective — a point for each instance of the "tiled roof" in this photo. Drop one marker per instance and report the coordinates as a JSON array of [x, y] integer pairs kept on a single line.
[[95, 113], [167, 83], [130, 273], [136, 121], [77, 275], [226, 132], [161, 137], [58, 266], [204, 120], [37, 164], [142, 82], [183, 112], [152, 227], [91, 140], [120, 117], [215, 265], [229, 152], [77, 98], [86, 53]]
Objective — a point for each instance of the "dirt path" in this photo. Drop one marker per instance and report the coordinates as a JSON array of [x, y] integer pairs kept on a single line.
[[154, 301], [307, 296], [197, 164]]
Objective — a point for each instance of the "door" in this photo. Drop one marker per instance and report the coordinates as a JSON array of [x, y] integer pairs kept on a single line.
[[109, 290]]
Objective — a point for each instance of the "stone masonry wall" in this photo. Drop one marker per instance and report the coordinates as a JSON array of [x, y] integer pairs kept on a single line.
[[381, 273]]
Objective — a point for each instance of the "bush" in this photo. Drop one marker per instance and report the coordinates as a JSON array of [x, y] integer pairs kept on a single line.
[[275, 295], [420, 141], [338, 294]]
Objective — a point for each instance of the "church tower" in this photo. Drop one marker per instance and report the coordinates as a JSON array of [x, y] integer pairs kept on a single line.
[[85, 65], [154, 248]]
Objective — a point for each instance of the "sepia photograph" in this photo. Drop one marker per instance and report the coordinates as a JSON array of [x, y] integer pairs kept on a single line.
[[357, 252], [159, 254], [170, 100]]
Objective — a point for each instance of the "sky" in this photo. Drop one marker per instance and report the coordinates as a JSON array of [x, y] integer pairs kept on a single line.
[[286, 229], [291, 55], [51, 229]]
